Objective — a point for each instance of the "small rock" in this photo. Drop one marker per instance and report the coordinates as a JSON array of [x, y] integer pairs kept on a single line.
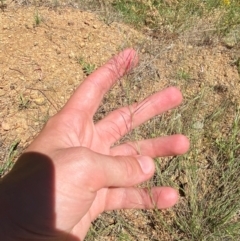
[[28, 26], [79, 77], [58, 51], [70, 81], [95, 26], [71, 55], [19, 130], [2, 92], [87, 23], [70, 23], [33, 95], [82, 45], [5, 126], [39, 101]]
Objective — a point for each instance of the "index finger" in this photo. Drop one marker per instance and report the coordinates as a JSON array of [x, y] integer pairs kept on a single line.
[[89, 94]]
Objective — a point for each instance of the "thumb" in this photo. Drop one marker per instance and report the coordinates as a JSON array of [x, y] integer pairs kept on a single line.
[[114, 171]]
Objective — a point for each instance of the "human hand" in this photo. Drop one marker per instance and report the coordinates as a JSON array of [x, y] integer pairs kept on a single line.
[[72, 172]]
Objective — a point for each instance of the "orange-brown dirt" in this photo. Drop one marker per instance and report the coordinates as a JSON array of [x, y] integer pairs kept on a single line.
[[41, 63]]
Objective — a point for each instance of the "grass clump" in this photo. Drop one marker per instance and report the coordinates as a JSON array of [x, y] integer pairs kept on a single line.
[[37, 18], [9, 158], [177, 16], [229, 17], [87, 68], [23, 102], [134, 12], [182, 74], [208, 176]]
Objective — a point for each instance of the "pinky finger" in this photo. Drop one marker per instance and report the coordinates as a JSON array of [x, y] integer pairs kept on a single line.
[[141, 198]]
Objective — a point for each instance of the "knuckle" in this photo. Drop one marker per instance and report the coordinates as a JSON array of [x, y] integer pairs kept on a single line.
[[129, 167]]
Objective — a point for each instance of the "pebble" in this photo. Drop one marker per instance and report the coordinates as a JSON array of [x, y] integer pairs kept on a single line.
[[71, 55], [70, 23], [39, 101], [5, 126], [79, 77], [82, 44], [28, 26], [58, 51], [2, 92], [19, 131], [33, 95], [70, 81]]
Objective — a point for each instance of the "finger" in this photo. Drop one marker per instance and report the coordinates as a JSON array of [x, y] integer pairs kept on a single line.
[[102, 171], [89, 94], [162, 146], [130, 198], [123, 120], [126, 198]]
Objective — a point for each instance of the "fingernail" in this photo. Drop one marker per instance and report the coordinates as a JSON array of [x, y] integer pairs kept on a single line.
[[146, 164]]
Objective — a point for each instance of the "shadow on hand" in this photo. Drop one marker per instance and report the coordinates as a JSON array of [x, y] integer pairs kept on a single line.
[[27, 201]]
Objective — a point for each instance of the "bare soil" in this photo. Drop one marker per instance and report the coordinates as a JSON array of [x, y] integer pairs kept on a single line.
[[39, 64], [40, 67]]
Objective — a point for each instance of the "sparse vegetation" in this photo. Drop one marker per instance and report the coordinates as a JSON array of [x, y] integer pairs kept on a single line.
[[87, 68], [11, 154], [24, 102], [207, 177], [237, 63], [37, 18], [3, 5], [176, 16], [182, 74]]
